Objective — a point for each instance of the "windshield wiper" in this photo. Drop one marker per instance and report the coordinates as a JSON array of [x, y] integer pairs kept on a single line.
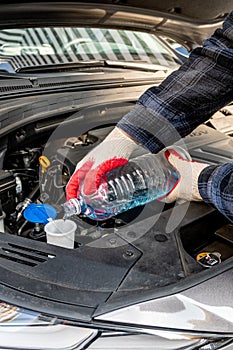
[[60, 67], [142, 65]]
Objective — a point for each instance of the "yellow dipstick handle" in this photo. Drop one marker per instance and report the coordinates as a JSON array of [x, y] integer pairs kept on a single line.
[[44, 162]]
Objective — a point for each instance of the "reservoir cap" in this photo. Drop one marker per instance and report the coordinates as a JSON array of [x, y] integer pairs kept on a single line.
[[39, 213]]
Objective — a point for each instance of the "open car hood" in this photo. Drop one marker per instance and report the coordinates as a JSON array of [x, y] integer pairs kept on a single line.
[[188, 22]]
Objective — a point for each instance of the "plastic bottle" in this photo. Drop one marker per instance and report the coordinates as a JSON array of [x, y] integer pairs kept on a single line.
[[141, 180]]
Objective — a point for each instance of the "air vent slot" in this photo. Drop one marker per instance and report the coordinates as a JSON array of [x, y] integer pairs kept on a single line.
[[17, 260], [24, 255], [15, 84], [62, 83], [16, 87]]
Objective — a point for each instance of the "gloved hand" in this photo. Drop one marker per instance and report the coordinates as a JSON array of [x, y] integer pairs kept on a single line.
[[113, 152], [187, 187]]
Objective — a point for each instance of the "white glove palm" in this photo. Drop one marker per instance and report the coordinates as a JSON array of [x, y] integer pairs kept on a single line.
[[187, 188]]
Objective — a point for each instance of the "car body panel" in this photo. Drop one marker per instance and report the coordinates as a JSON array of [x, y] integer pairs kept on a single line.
[[195, 309]]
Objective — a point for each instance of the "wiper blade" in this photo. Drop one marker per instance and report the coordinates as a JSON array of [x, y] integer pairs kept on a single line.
[[60, 67], [142, 65]]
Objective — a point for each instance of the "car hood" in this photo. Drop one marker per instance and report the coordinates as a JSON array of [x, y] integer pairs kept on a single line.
[[188, 22]]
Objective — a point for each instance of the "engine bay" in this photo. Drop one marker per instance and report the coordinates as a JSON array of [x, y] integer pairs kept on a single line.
[[36, 169]]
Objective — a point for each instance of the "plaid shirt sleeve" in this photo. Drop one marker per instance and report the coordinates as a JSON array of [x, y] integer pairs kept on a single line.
[[215, 184], [188, 96], [185, 99]]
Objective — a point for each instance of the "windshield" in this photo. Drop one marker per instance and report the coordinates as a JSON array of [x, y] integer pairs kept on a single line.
[[40, 46]]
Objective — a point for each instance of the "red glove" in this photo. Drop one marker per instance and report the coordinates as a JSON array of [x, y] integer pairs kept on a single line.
[[113, 152]]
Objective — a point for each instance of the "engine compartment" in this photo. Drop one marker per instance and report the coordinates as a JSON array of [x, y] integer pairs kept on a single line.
[[25, 179]]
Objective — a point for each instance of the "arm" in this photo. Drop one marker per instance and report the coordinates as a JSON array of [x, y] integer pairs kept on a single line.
[[200, 181], [188, 97], [170, 111], [215, 184]]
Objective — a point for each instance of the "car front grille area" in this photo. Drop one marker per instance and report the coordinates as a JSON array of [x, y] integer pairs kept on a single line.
[[24, 255]]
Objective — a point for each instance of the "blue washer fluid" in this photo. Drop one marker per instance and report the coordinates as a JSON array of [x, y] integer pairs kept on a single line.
[[141, 180]]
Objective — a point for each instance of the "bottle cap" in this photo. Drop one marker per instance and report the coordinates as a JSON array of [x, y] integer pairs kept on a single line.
[[39, 213]]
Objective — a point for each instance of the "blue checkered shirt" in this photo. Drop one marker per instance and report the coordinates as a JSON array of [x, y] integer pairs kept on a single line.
[[185, 99]]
